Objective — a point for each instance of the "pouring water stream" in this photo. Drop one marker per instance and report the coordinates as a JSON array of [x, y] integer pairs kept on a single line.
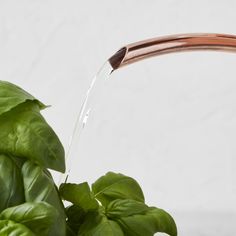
[[103, 74]]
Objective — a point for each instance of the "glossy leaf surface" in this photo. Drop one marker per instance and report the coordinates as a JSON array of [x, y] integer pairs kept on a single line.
[[25, 133], [125, 207], [114, 186], [153, 221], [80, 195], [12, 95], [8, 227], [99, 225], [39, 186], [38, 217], [11, 184]]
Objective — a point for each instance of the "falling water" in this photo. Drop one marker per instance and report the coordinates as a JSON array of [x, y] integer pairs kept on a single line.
[[83, 116]]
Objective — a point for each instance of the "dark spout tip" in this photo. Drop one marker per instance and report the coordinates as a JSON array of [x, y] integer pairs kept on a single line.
[[117, 58]]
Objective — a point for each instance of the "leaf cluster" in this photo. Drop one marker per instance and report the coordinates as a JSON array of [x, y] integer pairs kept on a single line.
[[30, 202], [113, 206]]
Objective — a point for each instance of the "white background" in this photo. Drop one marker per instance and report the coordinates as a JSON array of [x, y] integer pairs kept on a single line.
[[54, 48]]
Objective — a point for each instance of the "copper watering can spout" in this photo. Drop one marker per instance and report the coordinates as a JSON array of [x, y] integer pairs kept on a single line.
[[174, 43]]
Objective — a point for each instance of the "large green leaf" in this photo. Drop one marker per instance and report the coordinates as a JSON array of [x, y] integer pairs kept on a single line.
[[12, 95], [38, 217], [153, 221], [39, 186], [11, 228], [80, 195], [125, 207], [11, 185], [114, 186], [25, 133], [97, 224]]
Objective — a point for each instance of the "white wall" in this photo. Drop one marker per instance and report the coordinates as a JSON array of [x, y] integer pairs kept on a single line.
[[180, 108]]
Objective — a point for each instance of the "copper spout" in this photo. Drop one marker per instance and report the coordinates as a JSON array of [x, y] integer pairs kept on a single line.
[[174, 43]]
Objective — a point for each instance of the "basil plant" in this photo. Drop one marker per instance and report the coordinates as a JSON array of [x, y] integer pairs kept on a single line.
[[30, 202]]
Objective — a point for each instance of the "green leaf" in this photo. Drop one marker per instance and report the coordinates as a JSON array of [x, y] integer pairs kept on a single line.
[[12, 95], [75, 218], [80, 195], [164, 221], [10, 228], [98, 225], [153, 221], [114, 186], [125, 207], [38, 217], [24, 133], [39, 186], [11, 185]]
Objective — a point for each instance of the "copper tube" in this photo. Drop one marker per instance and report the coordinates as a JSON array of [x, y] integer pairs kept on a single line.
[[173, 43]]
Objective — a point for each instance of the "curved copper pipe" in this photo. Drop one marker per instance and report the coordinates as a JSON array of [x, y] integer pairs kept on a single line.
[[174, 43]]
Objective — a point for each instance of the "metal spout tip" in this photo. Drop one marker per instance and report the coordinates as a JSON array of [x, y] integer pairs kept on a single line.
[[117, 58]]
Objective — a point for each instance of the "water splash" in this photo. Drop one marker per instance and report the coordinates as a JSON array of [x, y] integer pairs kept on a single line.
[[83, 116]]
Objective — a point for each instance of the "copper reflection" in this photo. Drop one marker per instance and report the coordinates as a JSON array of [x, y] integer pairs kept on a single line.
[[174, 43]]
